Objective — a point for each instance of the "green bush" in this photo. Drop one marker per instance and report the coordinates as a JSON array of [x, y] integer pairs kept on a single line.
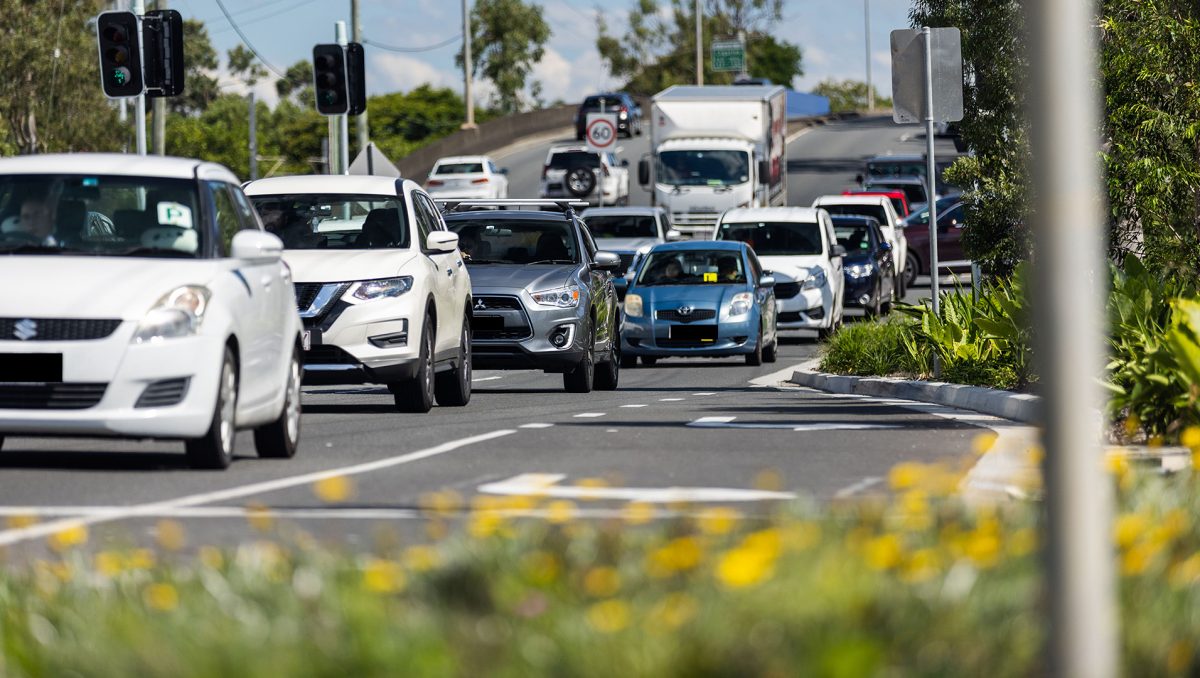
[[871, 348]]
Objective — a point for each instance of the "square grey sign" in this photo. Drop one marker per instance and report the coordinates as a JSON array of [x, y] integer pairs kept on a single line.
[[908, 75]]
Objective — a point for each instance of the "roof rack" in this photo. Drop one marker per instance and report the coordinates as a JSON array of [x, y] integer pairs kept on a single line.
[[560, 205]]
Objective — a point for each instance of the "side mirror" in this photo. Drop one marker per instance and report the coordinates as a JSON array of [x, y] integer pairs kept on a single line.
[[256, 245], [673, 235], [643, 172], [837, 251], [606, 261], [767, 280], [885, 246], [624, 163], [764, 172], [858, 178], [441, 241]]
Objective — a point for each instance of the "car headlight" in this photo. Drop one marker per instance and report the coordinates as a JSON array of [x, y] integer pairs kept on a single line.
[[633, 305], [378, 289], [562, 297], [815, 281], [741, 303], [860, 270], [177, 314]]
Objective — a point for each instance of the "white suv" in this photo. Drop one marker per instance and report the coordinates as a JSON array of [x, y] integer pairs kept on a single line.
[[467, 177], [144, 301], [799, 247], [574, 172], [881, 209], [380, 284]]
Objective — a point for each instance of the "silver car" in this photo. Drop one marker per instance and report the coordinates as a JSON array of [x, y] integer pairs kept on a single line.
[[542, 294]]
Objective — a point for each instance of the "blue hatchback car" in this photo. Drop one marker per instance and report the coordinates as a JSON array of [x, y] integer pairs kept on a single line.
[[699, 299]]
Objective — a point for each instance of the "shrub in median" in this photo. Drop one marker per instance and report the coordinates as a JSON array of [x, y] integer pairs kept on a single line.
[[872, 348]]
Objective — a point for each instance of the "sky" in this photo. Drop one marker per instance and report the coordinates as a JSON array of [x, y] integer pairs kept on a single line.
[[830, 33]]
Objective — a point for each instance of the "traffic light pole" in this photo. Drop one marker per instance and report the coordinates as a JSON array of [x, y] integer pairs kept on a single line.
[[363, 130], [343, 120], [139, 110]]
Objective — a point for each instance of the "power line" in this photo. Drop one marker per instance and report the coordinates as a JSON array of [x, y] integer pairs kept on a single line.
[[246, 40], [270, 15], [410, 50]]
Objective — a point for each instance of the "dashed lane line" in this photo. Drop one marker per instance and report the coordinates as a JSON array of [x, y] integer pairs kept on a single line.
[[634, 405], [590, 415], [854, 489], [535, 425]]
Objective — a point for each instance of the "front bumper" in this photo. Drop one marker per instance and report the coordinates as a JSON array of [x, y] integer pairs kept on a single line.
[[858, 289], [647, 336], [122, 372], [521, 337], [808, 310], [374, 342]]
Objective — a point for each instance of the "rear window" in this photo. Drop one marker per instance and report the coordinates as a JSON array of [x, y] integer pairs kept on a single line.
[[875, 211], [569, 160], [459, 168], [912, 192]]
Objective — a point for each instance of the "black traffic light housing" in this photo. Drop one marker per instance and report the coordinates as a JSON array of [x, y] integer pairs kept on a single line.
[[339, 79], [162, 35], [119, 36]]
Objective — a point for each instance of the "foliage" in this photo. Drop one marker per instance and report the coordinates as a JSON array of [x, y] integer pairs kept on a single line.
[[51, 99], [402, 122], [849, 95], [244, 65], [658, 50], [508, 38], [871, 348]]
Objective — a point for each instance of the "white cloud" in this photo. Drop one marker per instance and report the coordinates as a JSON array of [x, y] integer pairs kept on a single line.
[[397, 72]]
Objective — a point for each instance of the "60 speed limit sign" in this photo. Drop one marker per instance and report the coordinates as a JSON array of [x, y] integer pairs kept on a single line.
[[601, 132]]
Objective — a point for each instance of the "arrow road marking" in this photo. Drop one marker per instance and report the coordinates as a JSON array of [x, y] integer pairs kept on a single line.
[[546, 485]]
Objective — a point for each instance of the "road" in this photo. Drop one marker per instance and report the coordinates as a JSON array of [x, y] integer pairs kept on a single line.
[[699, 431]]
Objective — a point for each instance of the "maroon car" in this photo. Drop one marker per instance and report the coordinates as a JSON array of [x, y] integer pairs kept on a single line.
[[950, 250]]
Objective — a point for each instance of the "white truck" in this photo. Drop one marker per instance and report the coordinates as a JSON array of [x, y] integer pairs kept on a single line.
[[715, 148]]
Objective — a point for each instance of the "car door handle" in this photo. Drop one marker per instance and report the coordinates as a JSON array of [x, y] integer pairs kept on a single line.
[[449, 272], [460, 263]]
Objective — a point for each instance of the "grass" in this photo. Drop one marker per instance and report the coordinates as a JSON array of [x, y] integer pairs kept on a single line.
[[871, 348]]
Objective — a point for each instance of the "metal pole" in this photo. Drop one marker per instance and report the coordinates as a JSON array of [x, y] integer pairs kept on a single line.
[[253, 136], [699, 45], [343, 121], [867, 32], [930, 170], [468, 66], [1069, 227], [363, 130], [160, 111], [600, 174], [139, 111]]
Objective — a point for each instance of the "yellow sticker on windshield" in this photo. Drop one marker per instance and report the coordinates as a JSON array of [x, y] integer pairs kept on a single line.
[[710, 277]]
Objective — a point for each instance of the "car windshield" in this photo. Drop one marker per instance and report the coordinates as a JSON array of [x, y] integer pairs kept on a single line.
[[459, 168], [896, 168], [912, 192], [703, 168], [775, 238], [693, 267], [921, 216], [874, 211], [854, 237], [335, 222], [100, 215], [570, 160], [621, 226], [610, 102], [513, 241]]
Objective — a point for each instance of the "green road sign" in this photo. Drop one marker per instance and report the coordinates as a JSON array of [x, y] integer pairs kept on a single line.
[[728, 55]]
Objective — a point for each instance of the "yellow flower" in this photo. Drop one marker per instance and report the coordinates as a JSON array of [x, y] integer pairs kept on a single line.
[[1129, 528], [602, 582], [883, 552], [742, 567], [20, 521], [983, 548], [437, 529], [140, 559], [983, 443], [719, 520], [800, 535], [593, 484], [915, 515], [638, 513], [608, 616], [484, 525], [561, 511], [768, 542], [1135, 560], [671, 612], [421, 558], [162, 597], [541, 568], [1132, 425], [383, 576], [1035, 454], [922, 565], [1155, 441], [1191, 438], [1185, 573], [170, 535], [334, 489], [1022, 542], [108, 564], [677, 555], [211, 557], [259, 517], [69, 537], [445, 503], [905, 475], [1179, 657], [1117, 465]]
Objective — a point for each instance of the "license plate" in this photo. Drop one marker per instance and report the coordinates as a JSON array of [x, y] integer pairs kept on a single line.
[[489, 322], [306, 340], [31, 367], [703, 333], [701, 209]]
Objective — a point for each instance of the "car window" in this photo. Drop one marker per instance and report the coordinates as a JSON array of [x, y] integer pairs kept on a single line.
[[226, 215], [459, 168], [775, 238], [949, 220], [876, 212], [622, 226], [570, 160], [514, 241], [756, 269], [693, 267], [427, 221], [588, 243], [855, 237], [250, 221], [334, 221]]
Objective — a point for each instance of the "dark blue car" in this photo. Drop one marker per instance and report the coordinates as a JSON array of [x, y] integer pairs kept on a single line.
[[868, 267], [699, 298]]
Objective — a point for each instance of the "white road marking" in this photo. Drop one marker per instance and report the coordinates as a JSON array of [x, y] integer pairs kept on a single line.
[[590, 415], [796, 135], [611, 430], [241, 512], [639, 405], [13, 536], [669, 400], [535, 425], [535, 485], [705, 393], [727, 422], [777, 377], [474, 381], [857, 487]]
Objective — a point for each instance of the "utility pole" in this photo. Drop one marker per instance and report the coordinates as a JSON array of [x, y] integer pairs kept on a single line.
[[867, 32], [1070, 234], [699, 45], [363, 130], [253, 136], [343, 121], [160, 111], [139, 112], [468, 98]]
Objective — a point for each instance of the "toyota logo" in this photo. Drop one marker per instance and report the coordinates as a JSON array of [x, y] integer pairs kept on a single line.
[[684, 310], [25, 329], [479, 305]]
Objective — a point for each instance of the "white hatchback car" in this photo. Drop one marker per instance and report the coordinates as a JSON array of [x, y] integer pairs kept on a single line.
[[799, 247], [151, 304], [881, 209], [380, 284], [467, 177]]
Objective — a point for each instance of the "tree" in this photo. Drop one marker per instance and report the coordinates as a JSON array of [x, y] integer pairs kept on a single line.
[[244, 64], [400, 122], [507, 38], [297, 81], [779, 61], [848, 95]]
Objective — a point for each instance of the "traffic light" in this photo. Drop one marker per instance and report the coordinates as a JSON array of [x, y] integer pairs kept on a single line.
[[162, 35], [357, 81], [120, 54], [331, 80]]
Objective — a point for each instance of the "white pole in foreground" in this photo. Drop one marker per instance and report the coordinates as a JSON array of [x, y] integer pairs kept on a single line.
[[1069, 226], [867, 32], [468, 94], [139, 111], [343, 120], [931, 173]]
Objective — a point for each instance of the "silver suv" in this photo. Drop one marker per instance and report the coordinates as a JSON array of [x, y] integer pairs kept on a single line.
[[575, 173], [542, 295]]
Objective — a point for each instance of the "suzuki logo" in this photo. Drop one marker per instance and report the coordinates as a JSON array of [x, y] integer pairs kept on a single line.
[[479, 305], [25, 330], [684, 310]]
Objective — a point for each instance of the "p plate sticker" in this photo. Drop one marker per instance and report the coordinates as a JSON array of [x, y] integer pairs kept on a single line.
[[710, 277], [174, 214]]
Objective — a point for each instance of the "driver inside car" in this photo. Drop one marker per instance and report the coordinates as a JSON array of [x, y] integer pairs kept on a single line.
[[37, 221]]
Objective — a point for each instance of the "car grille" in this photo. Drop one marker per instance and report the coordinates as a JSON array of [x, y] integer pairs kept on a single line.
[[328, 354], [496, 303], [516, 324], [693, 343], [163, 393], [56, 329], [61, 396], [696, 315], [306, 294], [786, 290], [790, 317]]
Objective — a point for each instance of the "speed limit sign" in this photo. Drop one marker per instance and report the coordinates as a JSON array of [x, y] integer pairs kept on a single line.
[[601, 132]]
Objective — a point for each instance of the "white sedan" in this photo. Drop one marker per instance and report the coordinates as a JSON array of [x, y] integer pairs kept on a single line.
[[151, 304], [467, 177]]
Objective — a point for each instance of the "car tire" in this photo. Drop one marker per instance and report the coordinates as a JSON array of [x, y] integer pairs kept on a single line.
[[608, 373], [214, 450], [756, 358], [628, 361], [771, 352], [912, 268], [1, 442], [280, 438], [649, 360], [416, 394], [582, 377], [453, 387], [875, 309], [580, 182]]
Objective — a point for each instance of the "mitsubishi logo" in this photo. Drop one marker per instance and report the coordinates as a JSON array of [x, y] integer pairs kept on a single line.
[[684, 311], [25, 329], [479, 305]]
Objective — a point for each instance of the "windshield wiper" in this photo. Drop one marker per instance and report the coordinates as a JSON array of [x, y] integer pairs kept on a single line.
[[550, 261], [149, 252], [484, 261]]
